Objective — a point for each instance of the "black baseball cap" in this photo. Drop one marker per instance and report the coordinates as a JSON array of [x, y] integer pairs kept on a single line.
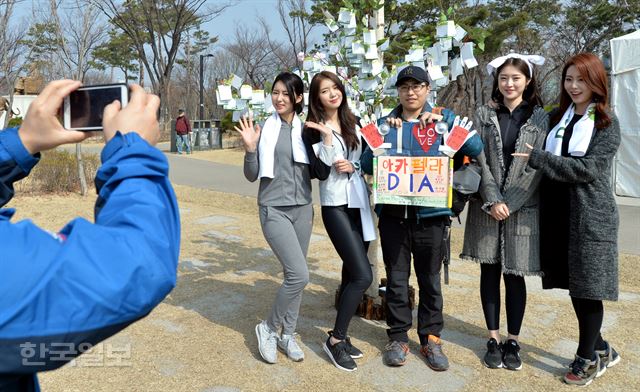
[[412, 72]]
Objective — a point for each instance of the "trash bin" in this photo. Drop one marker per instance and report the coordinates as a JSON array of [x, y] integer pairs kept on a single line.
[[201, 135], [215, 139]]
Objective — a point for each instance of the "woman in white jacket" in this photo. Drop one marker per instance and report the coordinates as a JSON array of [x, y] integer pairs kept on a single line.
[[332, 129]]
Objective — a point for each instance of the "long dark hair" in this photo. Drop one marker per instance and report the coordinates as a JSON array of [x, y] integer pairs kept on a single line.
[[595, 77], [317, 113], [295, 88], [530, 93]]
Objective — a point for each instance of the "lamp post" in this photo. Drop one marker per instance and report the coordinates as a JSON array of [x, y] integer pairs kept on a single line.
[[202, 56]]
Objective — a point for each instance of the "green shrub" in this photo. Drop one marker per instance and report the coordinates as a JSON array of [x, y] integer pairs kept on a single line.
[[226, 122], [15, 122]]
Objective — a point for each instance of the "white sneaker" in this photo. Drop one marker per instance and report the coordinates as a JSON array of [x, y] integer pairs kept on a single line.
[[267, 342], [288, 345]]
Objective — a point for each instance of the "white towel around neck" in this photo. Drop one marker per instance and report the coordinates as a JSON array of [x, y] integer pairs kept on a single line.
[[269, 138], [581, 136]]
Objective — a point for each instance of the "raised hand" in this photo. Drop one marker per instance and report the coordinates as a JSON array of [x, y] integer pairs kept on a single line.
[[41, 129], [325, 131], [139, 116], [250, 134]]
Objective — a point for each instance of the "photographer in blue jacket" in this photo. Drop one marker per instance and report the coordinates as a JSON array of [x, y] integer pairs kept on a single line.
[[70, 290], [407, 231]]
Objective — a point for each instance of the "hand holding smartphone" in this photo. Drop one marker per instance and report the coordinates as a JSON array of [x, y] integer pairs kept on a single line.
[[83, 108]]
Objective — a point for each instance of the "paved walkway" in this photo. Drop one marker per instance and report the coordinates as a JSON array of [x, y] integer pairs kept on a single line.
[[229, 178]]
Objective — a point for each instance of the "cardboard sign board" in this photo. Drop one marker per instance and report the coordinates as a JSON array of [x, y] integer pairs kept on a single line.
[[412, 171], [424, 181]]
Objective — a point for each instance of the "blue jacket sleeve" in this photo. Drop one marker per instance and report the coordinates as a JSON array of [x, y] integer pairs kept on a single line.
[[88, 282], [472, 147], [15, 163], [448, 117]]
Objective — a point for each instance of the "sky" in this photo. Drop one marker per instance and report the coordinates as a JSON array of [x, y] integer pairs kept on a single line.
[[247, 12], [241, 12]]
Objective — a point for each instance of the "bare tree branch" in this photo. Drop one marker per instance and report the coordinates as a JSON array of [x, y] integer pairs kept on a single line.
[[157, 29]]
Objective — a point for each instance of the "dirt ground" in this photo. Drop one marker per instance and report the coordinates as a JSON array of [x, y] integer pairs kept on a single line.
[[201, 338]]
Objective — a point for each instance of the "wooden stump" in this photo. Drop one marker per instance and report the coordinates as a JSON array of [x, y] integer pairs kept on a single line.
[[370, 310]]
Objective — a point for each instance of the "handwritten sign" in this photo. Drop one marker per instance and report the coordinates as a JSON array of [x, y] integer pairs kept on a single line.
[[417, 181]]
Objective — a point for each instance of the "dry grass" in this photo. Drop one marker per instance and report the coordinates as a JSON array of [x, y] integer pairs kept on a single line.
[[57, 172]]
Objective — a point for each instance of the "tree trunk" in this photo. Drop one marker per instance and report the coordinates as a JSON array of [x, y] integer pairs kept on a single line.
[[11, 84], [83, 178], [141, 66], [372, 291], [9, 111], [81, 175]]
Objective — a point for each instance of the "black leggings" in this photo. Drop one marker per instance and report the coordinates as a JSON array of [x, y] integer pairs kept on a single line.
[[515, 298], [589, 313], [345, 231]]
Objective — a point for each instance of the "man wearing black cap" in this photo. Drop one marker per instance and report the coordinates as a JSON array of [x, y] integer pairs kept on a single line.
[[414, 230], [183, 129]]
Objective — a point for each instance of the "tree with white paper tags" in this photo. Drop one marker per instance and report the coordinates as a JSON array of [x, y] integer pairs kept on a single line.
[[357, 41]]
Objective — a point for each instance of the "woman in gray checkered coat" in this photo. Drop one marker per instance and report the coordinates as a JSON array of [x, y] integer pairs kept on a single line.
[[501, 230]]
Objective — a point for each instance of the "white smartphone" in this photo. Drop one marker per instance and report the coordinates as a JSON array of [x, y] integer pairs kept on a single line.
[[84, 107]]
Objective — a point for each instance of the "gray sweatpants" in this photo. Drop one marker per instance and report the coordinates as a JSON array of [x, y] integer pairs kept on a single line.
[[288, 230]]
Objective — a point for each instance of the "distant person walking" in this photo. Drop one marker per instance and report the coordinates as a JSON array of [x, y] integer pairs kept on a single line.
[[183, 129]]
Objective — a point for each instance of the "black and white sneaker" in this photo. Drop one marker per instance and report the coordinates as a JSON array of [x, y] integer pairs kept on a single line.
[[339, 355], [493, 357], [609, 356], [353, 351], [510, 355]]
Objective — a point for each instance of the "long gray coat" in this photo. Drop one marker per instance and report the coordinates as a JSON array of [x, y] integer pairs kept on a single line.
[[514, 242], [593, 217]]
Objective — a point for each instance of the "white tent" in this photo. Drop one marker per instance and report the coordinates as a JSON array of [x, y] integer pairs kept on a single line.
[[625, 99]]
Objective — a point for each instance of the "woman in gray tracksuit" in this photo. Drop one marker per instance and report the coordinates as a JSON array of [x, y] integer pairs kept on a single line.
[[276, 154]]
